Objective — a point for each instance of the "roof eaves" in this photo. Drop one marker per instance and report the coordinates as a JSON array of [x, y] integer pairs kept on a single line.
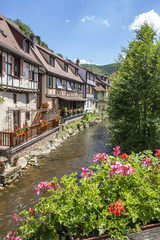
[[19, 54]]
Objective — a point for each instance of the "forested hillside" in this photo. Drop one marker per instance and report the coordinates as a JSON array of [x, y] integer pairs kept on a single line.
[[103, 70]]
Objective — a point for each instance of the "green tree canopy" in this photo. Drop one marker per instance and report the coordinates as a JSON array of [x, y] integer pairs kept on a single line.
[[24, 28], [134, 100]]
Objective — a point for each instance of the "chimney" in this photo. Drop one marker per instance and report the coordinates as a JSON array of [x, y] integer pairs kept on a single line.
[[32, 37], [77, 62], [38, 40]]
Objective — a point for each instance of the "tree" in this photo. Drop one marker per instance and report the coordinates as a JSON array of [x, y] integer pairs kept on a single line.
[[24, 28], [134, 100]]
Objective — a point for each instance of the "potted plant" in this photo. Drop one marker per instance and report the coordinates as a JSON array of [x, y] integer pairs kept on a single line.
[[15, 160], [46, 105], [70, 111], [2, 166], [75, 111]]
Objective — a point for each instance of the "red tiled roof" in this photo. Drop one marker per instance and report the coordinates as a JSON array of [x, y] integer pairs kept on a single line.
[[9, 42]]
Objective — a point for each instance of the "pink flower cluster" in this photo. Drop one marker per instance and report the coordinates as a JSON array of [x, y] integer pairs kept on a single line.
[[86, 173], [44, 186], [116, 151], [117, 167], [12, 236], [146, 162], [100, 157], [15, 217]]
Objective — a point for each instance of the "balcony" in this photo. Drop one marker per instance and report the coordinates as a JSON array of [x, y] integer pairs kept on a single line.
[[89, 95], [93, 83], [100, 99]]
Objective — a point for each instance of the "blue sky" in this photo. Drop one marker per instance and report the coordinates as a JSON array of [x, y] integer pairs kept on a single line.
[[92, 30]]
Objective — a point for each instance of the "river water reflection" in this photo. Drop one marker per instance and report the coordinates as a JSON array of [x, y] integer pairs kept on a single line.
[[75, 153]]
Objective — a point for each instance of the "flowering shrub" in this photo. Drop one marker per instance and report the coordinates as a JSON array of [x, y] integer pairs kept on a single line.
[[116, 208], [2, 163], [122, 193]]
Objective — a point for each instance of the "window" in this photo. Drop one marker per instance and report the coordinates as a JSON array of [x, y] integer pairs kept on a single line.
[[87, 75], [59, 83], [76, 72], [14, 98], [31, 75], [9, 65], [72, 85], [69, 86], [26, 46], [27, 98], [50, 82], [52, 61], [0, 63], [16, 67], [91, 77], [79, 87], [27, 115], [65, 67]]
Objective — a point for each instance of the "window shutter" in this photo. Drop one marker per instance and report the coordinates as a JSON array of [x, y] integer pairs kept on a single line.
[[51, 82], [21, 69], [47, 81], [0, 63], [3, 65], [30, 75], [12, 66]]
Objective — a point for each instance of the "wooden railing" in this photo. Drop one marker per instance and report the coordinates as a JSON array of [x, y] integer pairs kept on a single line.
[[38, 115], [10, 139]]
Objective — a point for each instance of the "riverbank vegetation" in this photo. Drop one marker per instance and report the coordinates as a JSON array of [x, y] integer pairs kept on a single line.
[[116, 194], [134, 101]]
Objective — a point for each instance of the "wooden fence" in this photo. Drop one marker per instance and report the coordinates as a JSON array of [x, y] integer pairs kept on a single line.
[[11, 139]]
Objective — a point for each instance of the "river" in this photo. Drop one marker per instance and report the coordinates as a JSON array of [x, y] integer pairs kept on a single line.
[[75, 153]]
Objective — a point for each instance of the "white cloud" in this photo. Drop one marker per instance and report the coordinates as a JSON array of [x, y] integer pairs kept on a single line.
[[84, 61], [67, 20], [150, 17], [87, 18], [83, 20], [106, 23]]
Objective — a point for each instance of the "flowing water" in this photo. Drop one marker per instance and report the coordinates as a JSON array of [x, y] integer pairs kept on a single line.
[[75, 153]]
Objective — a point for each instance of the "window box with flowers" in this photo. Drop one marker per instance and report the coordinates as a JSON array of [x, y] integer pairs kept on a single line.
[[2, 166], [18, 131], [45, 105], [56, 120], [43, 123]]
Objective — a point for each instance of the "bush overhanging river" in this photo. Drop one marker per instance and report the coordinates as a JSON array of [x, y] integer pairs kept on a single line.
[[116, 194]]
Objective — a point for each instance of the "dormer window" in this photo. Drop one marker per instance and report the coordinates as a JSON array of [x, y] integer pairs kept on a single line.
[[26, 45], [65, 67], [52, 61], [76, 72]]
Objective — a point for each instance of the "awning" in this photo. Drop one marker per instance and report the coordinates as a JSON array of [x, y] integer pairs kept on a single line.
[[75, 99]]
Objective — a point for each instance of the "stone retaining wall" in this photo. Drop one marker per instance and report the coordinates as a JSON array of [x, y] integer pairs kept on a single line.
[[30, 156]]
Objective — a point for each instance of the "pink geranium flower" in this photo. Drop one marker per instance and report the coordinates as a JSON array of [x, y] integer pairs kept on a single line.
[[116, 151], [86, 172]]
